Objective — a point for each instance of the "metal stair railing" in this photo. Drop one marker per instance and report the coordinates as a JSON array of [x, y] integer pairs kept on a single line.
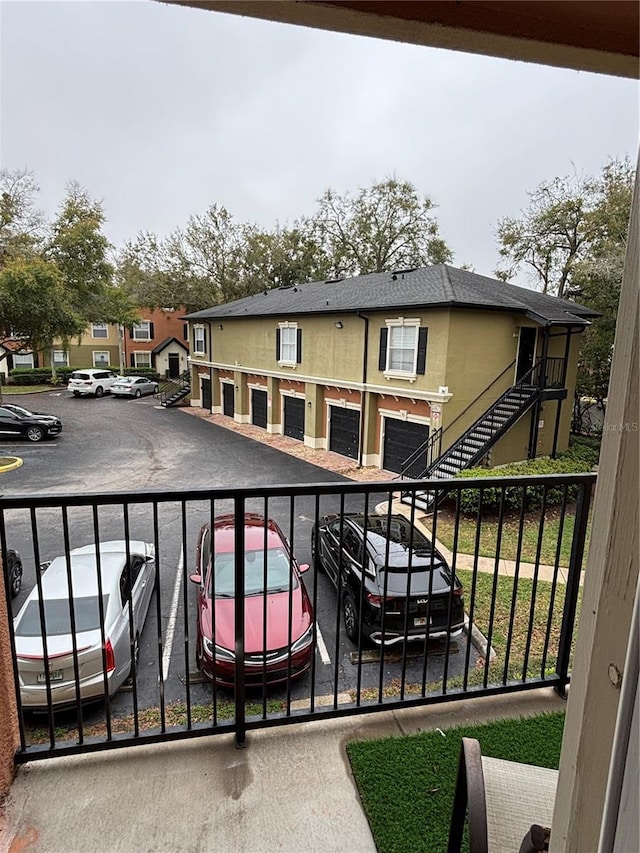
[[425, 451], [175, 389]]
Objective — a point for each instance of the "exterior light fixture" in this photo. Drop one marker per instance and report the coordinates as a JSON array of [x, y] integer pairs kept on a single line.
[[221, 327], [338, 324]]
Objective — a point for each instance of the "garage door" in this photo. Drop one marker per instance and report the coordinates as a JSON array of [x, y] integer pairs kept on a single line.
[[206, 394], [294, 417], [401, 438], [259, 408], [227, 400], [344, 431]]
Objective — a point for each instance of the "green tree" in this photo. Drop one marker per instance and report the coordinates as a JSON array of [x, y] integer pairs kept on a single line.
[[281, 257], [386, 226], [22, 224], [34, 303], [572, 239]]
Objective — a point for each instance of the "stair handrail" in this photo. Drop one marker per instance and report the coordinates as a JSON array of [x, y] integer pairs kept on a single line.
[[179, 383], [440, 432]]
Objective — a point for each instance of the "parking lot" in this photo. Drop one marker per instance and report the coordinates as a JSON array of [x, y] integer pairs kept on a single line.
[[121, 445]]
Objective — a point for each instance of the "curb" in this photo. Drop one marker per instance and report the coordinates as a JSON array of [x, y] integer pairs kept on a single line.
[[8, 463]]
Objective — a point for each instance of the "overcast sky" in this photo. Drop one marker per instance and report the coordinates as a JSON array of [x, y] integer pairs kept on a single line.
[[161, 110]]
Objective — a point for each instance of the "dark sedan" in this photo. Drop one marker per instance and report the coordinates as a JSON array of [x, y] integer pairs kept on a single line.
[[398, 579], [17, 422], [278, 616]]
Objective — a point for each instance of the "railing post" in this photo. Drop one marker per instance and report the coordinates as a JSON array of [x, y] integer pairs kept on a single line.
[[240, 725], [573, 587]]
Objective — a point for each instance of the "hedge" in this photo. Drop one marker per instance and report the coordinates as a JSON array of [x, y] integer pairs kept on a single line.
[[580, 458], [31, 375]]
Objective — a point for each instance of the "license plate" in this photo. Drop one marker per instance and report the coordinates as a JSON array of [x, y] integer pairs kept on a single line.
[[54, 675], [420, 622]]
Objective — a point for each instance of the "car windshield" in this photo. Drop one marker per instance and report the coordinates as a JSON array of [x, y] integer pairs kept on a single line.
[[17, 410], [57, 616], [278, 573]]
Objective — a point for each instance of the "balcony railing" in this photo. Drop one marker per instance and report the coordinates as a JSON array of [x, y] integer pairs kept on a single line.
[[519, 567]]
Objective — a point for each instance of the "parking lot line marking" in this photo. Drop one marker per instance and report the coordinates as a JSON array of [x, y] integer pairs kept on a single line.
[[173, 615], [322, 647]]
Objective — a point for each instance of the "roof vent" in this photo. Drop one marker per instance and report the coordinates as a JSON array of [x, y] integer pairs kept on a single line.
[[285, 287], [403, 271], [333, 280]]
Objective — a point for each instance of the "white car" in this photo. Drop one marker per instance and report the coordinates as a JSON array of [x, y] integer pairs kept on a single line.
[[104, 658], [95, 382]]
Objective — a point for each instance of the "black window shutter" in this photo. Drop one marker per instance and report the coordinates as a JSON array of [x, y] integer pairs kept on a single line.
[[131, 333], [194, 341], [133, 360], [204, 340], [185, 331], [382, 357], [151, 330], [277, 344], [9, 361], [422, 350], [35, 360], [299, 346], [153, 360]]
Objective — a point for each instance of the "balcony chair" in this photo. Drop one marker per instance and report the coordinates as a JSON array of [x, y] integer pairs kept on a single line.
[[509, 805]]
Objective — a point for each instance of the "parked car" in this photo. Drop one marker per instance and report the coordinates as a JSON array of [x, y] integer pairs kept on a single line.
[[275, 651], [123, 581], [16, 422], [134, 386], [399, 569], [13, 572], [96, 382]]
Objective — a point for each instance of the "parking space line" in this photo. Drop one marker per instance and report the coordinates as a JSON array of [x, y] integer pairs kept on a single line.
[[173, 616], [322, 647]]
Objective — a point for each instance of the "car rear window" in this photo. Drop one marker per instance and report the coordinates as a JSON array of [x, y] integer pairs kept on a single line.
[[57, 616], [78, 375]]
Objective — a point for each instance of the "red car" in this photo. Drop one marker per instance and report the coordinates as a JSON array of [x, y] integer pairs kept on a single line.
[[273, 585]]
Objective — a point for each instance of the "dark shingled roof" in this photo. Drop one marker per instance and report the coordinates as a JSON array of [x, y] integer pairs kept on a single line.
[[166, 342], [439, 286]]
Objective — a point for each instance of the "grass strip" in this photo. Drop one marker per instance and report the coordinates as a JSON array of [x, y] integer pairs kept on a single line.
[[406, 784]]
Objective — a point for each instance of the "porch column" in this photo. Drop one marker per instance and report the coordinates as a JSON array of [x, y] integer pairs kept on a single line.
[[314, 415], [9, 736], [216, 394], [610, 586], [369, 455]]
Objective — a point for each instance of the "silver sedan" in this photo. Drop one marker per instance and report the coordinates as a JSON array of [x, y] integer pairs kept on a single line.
[[76, 644], [134, 386]]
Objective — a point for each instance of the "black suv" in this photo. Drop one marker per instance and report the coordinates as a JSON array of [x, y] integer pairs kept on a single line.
[[409, 590]]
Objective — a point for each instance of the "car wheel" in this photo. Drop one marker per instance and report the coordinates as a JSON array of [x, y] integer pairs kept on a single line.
[[350, 615], [138, 393], [315, 553], [35, 433], [99, 391], [76, 393], [156, 388], [15, 575]]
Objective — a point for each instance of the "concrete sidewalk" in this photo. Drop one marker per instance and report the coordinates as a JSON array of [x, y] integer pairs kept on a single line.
[[290, 789]]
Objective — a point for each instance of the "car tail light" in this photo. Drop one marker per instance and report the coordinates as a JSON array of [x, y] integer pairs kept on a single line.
[[375, 600], [390, 604], [458, 591], [110, 658]]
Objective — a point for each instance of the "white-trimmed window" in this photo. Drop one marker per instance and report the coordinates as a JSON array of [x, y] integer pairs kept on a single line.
[[403, 348], [100, 359], [21, 359], [99, 330], [199, 341], [142, 331], [142, 359], [288, 344], [60, 357]]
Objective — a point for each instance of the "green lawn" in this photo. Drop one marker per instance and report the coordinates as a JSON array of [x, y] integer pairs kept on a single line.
[[406, 783], [509, 544], [9, 390]]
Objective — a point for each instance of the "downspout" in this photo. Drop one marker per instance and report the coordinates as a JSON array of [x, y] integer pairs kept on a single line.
[[363, 406]]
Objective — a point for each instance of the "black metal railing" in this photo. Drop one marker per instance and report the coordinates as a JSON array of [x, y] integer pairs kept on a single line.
[[518, 621], [172, 390]]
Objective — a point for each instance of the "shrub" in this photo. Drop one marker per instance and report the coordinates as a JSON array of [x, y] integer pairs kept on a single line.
[[513, 495], [150, 372], [30, 375]]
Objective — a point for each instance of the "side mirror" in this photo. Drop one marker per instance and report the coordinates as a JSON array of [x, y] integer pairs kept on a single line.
[[44, 566], [195, 578], [304, 567]]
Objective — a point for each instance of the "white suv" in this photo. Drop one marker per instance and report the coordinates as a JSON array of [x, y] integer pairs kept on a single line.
[[94, 382]]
